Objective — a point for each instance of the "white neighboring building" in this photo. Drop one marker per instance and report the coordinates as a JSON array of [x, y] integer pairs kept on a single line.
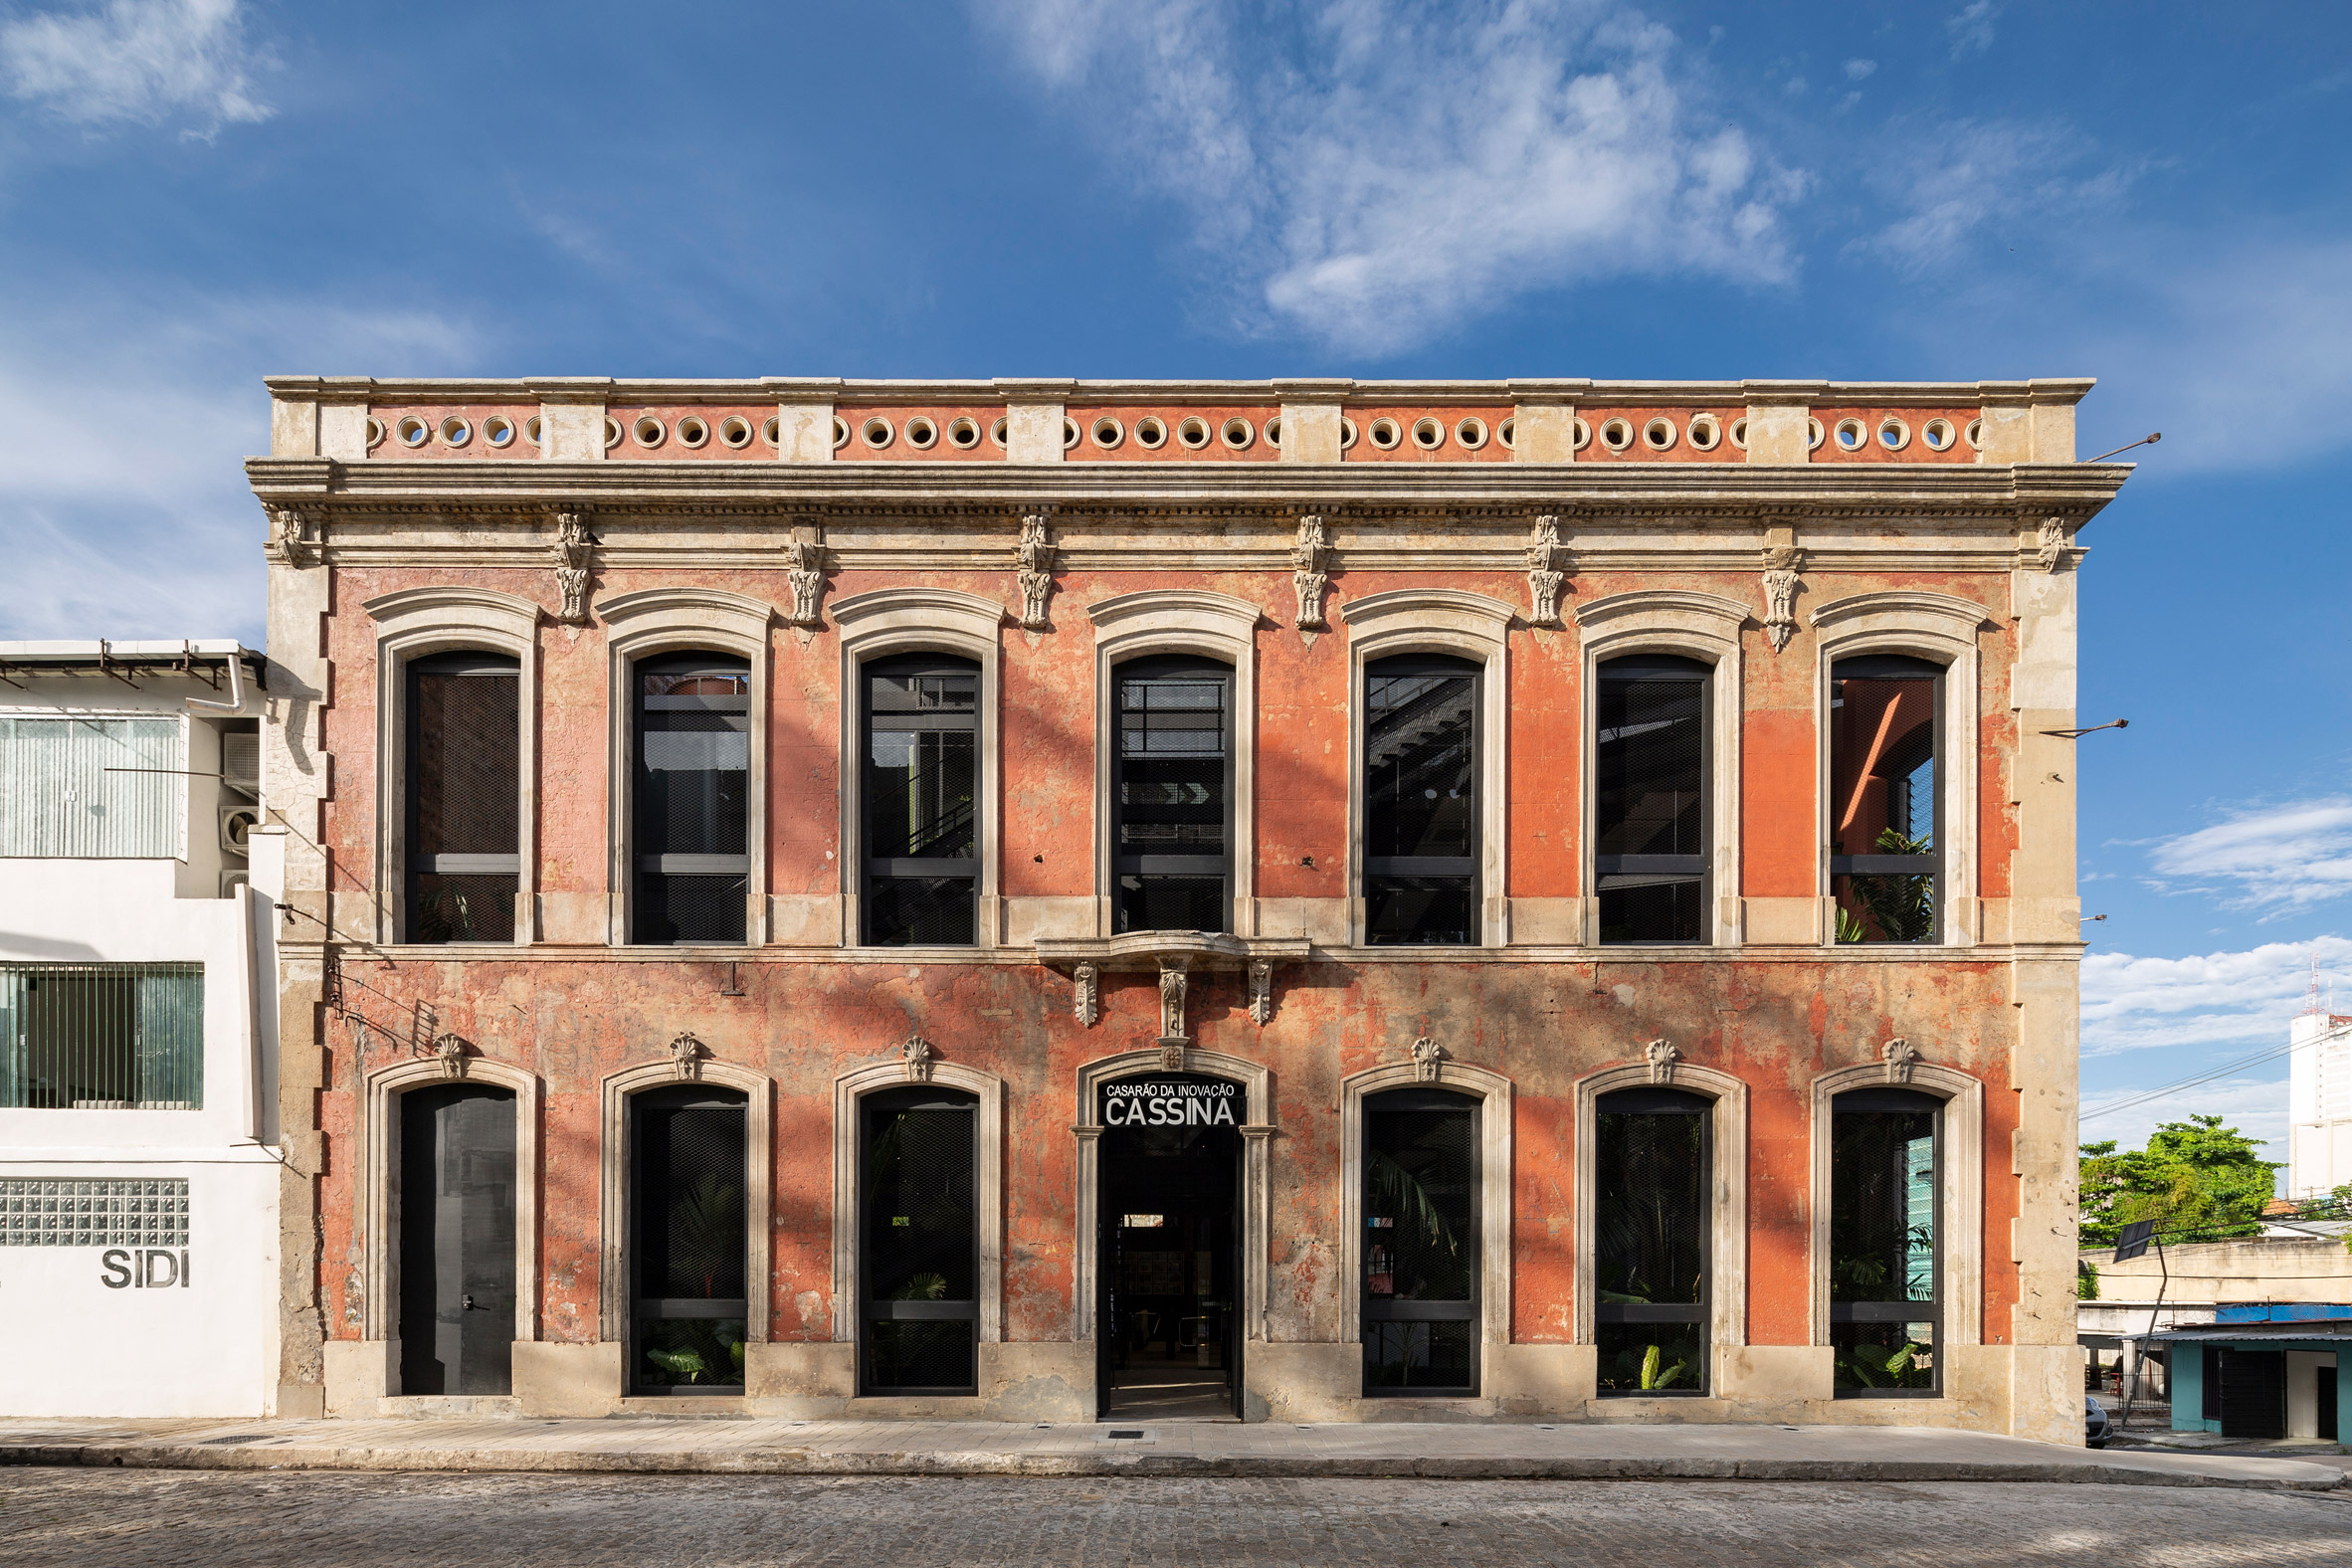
[[138, 1174], [2319, 1104]]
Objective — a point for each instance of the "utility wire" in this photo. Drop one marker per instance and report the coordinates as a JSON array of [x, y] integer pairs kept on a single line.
[[2224, 1070]]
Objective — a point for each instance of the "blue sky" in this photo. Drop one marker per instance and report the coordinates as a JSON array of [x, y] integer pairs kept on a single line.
[[194, 193]]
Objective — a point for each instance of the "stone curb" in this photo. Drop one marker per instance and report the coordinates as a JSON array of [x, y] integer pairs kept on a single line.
[[803, 1462]]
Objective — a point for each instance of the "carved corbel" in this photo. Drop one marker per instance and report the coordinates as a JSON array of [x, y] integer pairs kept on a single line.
[[1086, 994], [685, 1057], [1311, 559], [1900, 1056], [1661, 1057], [1547, 571], [2049, 546], [1782, 563], [805, 561], [296, 539], [1033, 560], [1427, 1060], [1262, 990], [450, 1049], [575, 564], [917, 1055], [1173, 980]]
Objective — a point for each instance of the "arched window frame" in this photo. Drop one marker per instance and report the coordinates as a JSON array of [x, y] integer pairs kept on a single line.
[[379, 1214], [1700, 625], [988, 1194], [615, 1263], [1209, 626], [671, 621], [918, 620], [417, 623], [1493, 1091], [1942, 630], [1464, 626], [1727, 1198], [1960, 1217]]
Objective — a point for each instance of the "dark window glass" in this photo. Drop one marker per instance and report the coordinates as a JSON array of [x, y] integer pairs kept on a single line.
[[1883, 802], [464, 853], [1420, 1247], [1172, 788], [922, 824], [920, 1241], [1884, 1175], [1421, 755], [1650, 843], [1650, 1161], [691, 1241], [694, 790]]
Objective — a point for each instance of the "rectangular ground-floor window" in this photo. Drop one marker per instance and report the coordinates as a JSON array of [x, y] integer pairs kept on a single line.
[[1885, 1171], [1421, 1243], [102, 1036]]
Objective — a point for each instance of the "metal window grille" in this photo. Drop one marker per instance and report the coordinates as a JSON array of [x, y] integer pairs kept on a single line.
[[65, 1211], [1652, 1158], [1420, 816], [694, 790], [919, 1246], [102, 1036], [465, 858], [1650, 832], [691, 1243], [1421, 1243], [1885, 1238], [1886, 810], [922, 824], [92, 788], [1172, 796]]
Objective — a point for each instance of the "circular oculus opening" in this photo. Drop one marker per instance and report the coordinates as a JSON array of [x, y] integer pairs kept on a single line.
[[613, 433], [1584, 435], [1348, 433], [499, 431], [1193, 433], [1151, 431], [1273, 432], [375, 432], [1937, 433], [411, 431], [922, 432], [648, 431], [1659, 434], [532, 431], [1617, 434], [735, 430], [841, 433], [1070, 434], [1739, 434], [1893, 433], [1704, 433], [963, 432], [454, 432], [1976, 434], [1470, 433], [693, 431], [1429, 434], [1385, 434], [1236, 433], [1106, 433], [876, 431], [1508, 434], [771, 431], [1852, 436], [996, 433], [1814, 435]]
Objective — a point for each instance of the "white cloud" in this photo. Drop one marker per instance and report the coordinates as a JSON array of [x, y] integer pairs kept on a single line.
[[1971, 28], [1857, 70], [2254, 1106], [1408, 167], [2280, 859], [2241, 999], [135, 60], [1963, 176]]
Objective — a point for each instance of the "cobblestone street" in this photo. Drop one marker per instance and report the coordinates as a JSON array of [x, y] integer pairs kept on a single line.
[[55, 1518]]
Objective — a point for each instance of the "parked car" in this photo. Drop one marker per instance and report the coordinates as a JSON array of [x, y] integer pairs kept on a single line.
[[2096, 1428]]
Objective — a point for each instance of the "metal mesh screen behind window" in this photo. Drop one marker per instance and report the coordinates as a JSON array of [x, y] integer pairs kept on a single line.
[[921, 821], [690, 1241], [1883, 1240], [693, 806], [920, 1241], [1882, 800], [1173, 797], [464, 807], [1650, 1244], [102, 1036], [1421, 1242], [1421, 801], [1650, 843]]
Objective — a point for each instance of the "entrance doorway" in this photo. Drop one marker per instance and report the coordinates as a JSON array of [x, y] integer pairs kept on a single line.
[[457, 1239], [1168, 1335]]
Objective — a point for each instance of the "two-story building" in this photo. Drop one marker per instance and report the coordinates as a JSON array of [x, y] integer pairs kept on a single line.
[[1312, 900], [138, 1174]]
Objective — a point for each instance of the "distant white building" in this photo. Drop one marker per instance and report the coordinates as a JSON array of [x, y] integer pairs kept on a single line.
[[2319, 1104], [138, 1174]]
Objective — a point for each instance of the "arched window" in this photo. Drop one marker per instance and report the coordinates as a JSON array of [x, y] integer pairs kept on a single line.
[[921, 831], [1421, 1259], [1652, 1161], [1649, 849], [464, 797], [1886, 809], [1421, 805], [1885, 1240], [1172, 791], [690, 1182], [693, 797], [920, 1251]]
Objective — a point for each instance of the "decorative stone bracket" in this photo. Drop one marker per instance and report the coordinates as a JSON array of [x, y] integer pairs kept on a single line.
[[1547, 571], [296, 537], [685, 1057], [2048, 551], [1429, 1060], [1782, 563], [1311, 562], [450, 1049], [917, 1055], [576, 563], [1662, 1056], [1900, 1056], [1175, 956], [805, 561], [1032, 561]]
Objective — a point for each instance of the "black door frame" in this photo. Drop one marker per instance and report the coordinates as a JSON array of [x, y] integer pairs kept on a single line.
[[410, 1213]]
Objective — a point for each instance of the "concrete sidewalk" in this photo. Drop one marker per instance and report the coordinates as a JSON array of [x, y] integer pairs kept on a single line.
[[627, 1444]]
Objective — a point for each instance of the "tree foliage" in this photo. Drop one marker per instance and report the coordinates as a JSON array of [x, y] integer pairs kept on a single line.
[[2196, 1179]]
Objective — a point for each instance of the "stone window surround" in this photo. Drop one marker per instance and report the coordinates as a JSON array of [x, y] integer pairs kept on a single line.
[[919, 620], [1960, 1236], [1179, 621], [379, 1205], [1727, 1199], [1467, 626], [1942, 630], [1493, 1091], [849, 1190], [613, 1283], [682, 620], [415, 623], [1257, 1083], [1700, 625]]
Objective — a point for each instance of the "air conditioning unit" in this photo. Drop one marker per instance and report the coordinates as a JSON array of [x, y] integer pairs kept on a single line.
[[232, 881], [237, 825]]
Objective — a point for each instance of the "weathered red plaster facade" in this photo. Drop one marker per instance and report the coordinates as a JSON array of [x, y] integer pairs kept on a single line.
[[1941, 552]]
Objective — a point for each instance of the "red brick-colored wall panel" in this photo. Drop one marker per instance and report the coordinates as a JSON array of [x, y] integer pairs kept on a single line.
[[1779, 839], [476, 444], [1915, 449], [1407, 414], [672, 447], [1545, 723], [1173, 450], [1543, 1218], [1640, 451], [900, 450]]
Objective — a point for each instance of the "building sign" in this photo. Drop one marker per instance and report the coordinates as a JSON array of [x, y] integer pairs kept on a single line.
[[142, 1223], [1171, 1102]]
